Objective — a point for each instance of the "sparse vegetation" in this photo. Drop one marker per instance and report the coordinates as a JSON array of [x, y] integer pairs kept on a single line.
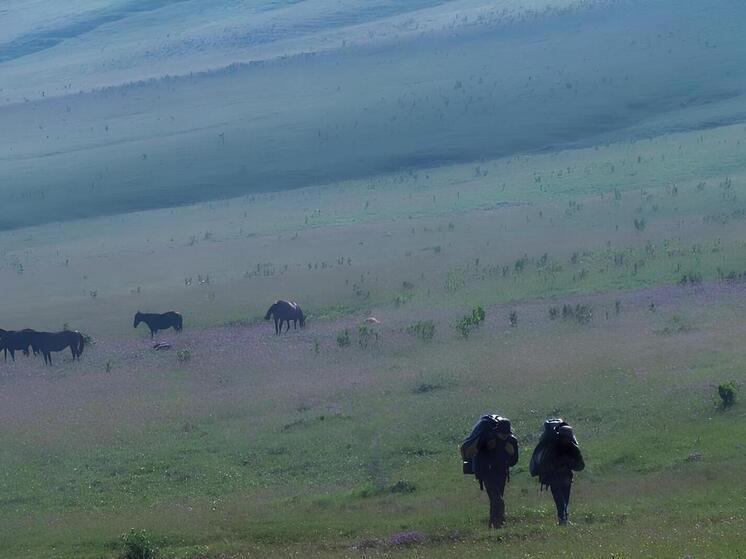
[[367, 335], [137, 544], [277, 446], [184, 356], [727, 392], [468, 323], [344, 339], [423, 329]]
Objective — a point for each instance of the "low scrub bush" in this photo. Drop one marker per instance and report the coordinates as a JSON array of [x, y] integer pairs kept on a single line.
[[727, 392], [343, 338], [468, 323], [403, 486], [367, 335], [184, 356], [138, 545], [423, 329]]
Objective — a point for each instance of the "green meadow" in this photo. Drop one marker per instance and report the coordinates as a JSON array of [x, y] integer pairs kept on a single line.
[[622, 265]]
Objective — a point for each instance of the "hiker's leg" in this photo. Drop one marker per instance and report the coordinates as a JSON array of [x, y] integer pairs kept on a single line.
[[495, 490], [558, 493], [568, 488]]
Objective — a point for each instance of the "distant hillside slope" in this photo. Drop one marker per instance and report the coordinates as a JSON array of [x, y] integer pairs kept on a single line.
[[118, 106]]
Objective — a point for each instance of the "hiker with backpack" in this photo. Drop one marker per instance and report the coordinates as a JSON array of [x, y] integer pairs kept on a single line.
[[489, 452], [555, 458]]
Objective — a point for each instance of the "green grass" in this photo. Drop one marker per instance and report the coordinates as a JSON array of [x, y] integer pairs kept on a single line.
[[282, 450]]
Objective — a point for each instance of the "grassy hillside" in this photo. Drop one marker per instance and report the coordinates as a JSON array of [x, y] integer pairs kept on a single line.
[[237, 443], [147, 106]]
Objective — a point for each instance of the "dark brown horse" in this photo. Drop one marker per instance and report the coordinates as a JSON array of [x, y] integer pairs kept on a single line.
[[47, 342], [285, 311], [16, 340], [157, 322]]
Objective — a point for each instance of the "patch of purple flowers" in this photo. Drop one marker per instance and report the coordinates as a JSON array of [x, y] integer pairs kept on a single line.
[[406, 539]]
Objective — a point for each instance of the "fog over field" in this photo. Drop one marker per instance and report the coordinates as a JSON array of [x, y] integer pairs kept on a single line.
[[535, 208], [110, 107]]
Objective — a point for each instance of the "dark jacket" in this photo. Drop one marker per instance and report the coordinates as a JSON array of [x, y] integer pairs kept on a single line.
[[494, 459]]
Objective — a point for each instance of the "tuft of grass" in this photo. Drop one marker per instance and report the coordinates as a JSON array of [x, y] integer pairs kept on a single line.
[[727, 392], [137, 544]]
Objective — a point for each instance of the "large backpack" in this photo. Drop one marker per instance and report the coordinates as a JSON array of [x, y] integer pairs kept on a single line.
[[484, 431], [548, 443]]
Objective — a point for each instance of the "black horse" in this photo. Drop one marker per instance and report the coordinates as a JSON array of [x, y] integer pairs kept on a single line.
[[157, 321], [47, 342], [15, 340], [285, 311]]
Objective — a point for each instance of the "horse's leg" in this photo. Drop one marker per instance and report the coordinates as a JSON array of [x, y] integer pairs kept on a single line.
[[49, 356], [277, 330], [13, 354], [287, 321]]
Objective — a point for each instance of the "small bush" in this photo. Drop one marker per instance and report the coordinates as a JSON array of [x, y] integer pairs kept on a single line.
[[423, 329], [582, 314], [403, 486], [184, 355], [468, 323], [513, 318], [343, 338], [367, 335], [727, 392], [137, 545], [424, 388], [478, 314]]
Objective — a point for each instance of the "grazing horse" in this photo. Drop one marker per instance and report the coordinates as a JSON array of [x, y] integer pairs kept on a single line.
[[14, 340], [285, 311], [47, 342], [157, 321]]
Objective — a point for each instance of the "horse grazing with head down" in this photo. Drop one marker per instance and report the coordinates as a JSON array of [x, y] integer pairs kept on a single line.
[[157, 321], [47, 342], [286, 311]]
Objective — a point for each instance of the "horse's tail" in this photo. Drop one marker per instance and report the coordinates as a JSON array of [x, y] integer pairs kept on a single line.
[[81, 343], [179, 322]]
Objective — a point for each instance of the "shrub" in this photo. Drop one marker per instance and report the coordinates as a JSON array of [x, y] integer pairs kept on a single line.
[[403, 486], [367, 334], [138, 545], [423, 329], [184, 355], [582, 314], [343, 338], [727, 392], [470, 322], [513, 317], [478, 314]]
